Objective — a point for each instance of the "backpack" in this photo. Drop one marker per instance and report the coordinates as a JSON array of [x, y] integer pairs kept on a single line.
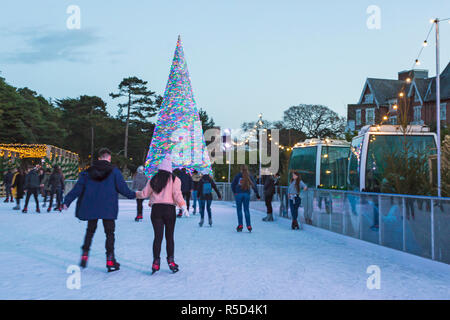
[[207, 188]]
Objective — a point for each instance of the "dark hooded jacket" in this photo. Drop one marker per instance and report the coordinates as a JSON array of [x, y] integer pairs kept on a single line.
[[207, 196], [97, 190]]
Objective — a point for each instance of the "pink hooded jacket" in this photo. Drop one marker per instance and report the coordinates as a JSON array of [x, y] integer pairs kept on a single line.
[[171, 194]]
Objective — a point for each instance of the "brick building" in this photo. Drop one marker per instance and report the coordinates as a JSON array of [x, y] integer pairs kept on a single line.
[[382, 97]]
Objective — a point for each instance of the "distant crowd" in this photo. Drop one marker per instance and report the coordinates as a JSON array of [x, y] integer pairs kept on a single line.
[[33, 181]]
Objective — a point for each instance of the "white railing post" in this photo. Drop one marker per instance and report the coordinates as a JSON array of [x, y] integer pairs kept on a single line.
[[404, 222], [380, 239], [432, 230]]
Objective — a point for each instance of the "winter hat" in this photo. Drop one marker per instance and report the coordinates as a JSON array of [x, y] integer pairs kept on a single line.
[[166, 164], [140, 169]]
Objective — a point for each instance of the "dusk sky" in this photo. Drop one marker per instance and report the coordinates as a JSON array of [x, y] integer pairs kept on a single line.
[[244, 57]]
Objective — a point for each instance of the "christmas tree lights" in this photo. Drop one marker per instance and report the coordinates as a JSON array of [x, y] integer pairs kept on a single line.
[[178, 129]]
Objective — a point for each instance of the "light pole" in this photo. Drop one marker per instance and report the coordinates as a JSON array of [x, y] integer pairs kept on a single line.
[[438, 109]]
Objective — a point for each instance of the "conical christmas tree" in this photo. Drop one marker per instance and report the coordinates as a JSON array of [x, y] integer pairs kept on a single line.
[[178, 129]]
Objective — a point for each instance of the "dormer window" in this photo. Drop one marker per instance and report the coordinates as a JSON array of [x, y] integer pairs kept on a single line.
[[368, 98]]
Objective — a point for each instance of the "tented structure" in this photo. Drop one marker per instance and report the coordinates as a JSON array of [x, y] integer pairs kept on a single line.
[[178, 129]]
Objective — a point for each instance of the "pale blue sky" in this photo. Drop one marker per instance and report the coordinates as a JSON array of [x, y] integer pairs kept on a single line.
[[244, 57]]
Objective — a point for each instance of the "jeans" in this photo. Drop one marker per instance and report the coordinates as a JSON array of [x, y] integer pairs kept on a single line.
[[8, 191], [195, 199], [163, 219], [109, 227], [294, 204], [202, 204], [243, 199]]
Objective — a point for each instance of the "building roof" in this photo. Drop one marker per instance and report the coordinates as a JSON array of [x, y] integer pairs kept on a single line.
[[444, 83], [386, 89]]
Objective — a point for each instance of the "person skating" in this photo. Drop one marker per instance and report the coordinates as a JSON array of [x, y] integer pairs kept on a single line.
[[241, 185], [294, 197], [164, 191], [269, 191], [97, 190], [7, 182], [32, 185], [195, 179], [204, 191], [56, 183], [186, 187], [45, 182], [139, 183], [18, 183]]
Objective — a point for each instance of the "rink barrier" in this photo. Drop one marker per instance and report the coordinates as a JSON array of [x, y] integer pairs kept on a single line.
[[418, 225]]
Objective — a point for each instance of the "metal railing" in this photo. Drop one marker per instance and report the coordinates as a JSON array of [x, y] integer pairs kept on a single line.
[[415, 224]]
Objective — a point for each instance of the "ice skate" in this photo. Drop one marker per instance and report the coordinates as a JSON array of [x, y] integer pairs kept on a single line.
[[239, 228], [210, 222], [156, 265], [25, 210], [84, 260], [138, 219], [201, 222], [172, 265], [112, 264], [249, 228]]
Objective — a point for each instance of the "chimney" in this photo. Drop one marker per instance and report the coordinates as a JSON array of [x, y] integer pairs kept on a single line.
[[416, 73]]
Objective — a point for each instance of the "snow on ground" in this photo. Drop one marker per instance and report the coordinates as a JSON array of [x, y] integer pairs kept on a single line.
[[273, 262]]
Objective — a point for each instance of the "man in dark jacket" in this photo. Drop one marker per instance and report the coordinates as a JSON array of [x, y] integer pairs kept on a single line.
[[269, 191], [97, 190], [7, 182], [186, 187], [32, 185]]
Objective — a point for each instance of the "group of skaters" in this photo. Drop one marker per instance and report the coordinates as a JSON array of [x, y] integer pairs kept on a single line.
[[34, 181], [97, 192]]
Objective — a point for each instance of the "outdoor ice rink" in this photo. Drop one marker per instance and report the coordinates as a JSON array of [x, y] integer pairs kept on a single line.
[[273, 262]]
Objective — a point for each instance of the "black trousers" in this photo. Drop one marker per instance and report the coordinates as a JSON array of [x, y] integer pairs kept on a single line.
[[268, 200], [57, 192], [140, 207], [187, 198], [109, 226], [34, 192], [163, 218]]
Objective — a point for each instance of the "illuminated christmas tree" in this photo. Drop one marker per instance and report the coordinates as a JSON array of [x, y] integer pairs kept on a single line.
[[178, 129]]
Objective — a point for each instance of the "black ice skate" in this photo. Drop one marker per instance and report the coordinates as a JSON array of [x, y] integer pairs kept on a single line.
[[249, 228], [155, 265], [172, 265], [210, 222], [295, 225], [138, 219], [112, 264], [201, 222], [84, 260], [239, 228], [25, 210]]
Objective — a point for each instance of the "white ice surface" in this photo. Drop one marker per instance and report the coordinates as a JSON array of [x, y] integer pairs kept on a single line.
[[273, 262]]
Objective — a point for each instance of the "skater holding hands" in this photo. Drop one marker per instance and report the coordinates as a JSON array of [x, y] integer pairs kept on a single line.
[[97, 190], [164, 190]]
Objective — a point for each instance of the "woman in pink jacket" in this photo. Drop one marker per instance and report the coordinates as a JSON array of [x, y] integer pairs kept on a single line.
[[164, 190]]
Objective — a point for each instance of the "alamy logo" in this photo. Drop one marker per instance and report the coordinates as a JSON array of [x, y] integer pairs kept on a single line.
[[74, 280], [374, 20], [374, 280], [74, 20]]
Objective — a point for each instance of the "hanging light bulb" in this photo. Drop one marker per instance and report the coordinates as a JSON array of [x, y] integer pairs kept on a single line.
[[385, 118], [417, 62], [401, 94], [395, 107], [425, 43], [408, 80]]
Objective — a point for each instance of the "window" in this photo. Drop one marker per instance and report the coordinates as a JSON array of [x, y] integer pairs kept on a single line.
[[358, 117], [303, 160], [417, 114], [370, 116], [393, 119], [333, 167], [443, 111], [368, 98]]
